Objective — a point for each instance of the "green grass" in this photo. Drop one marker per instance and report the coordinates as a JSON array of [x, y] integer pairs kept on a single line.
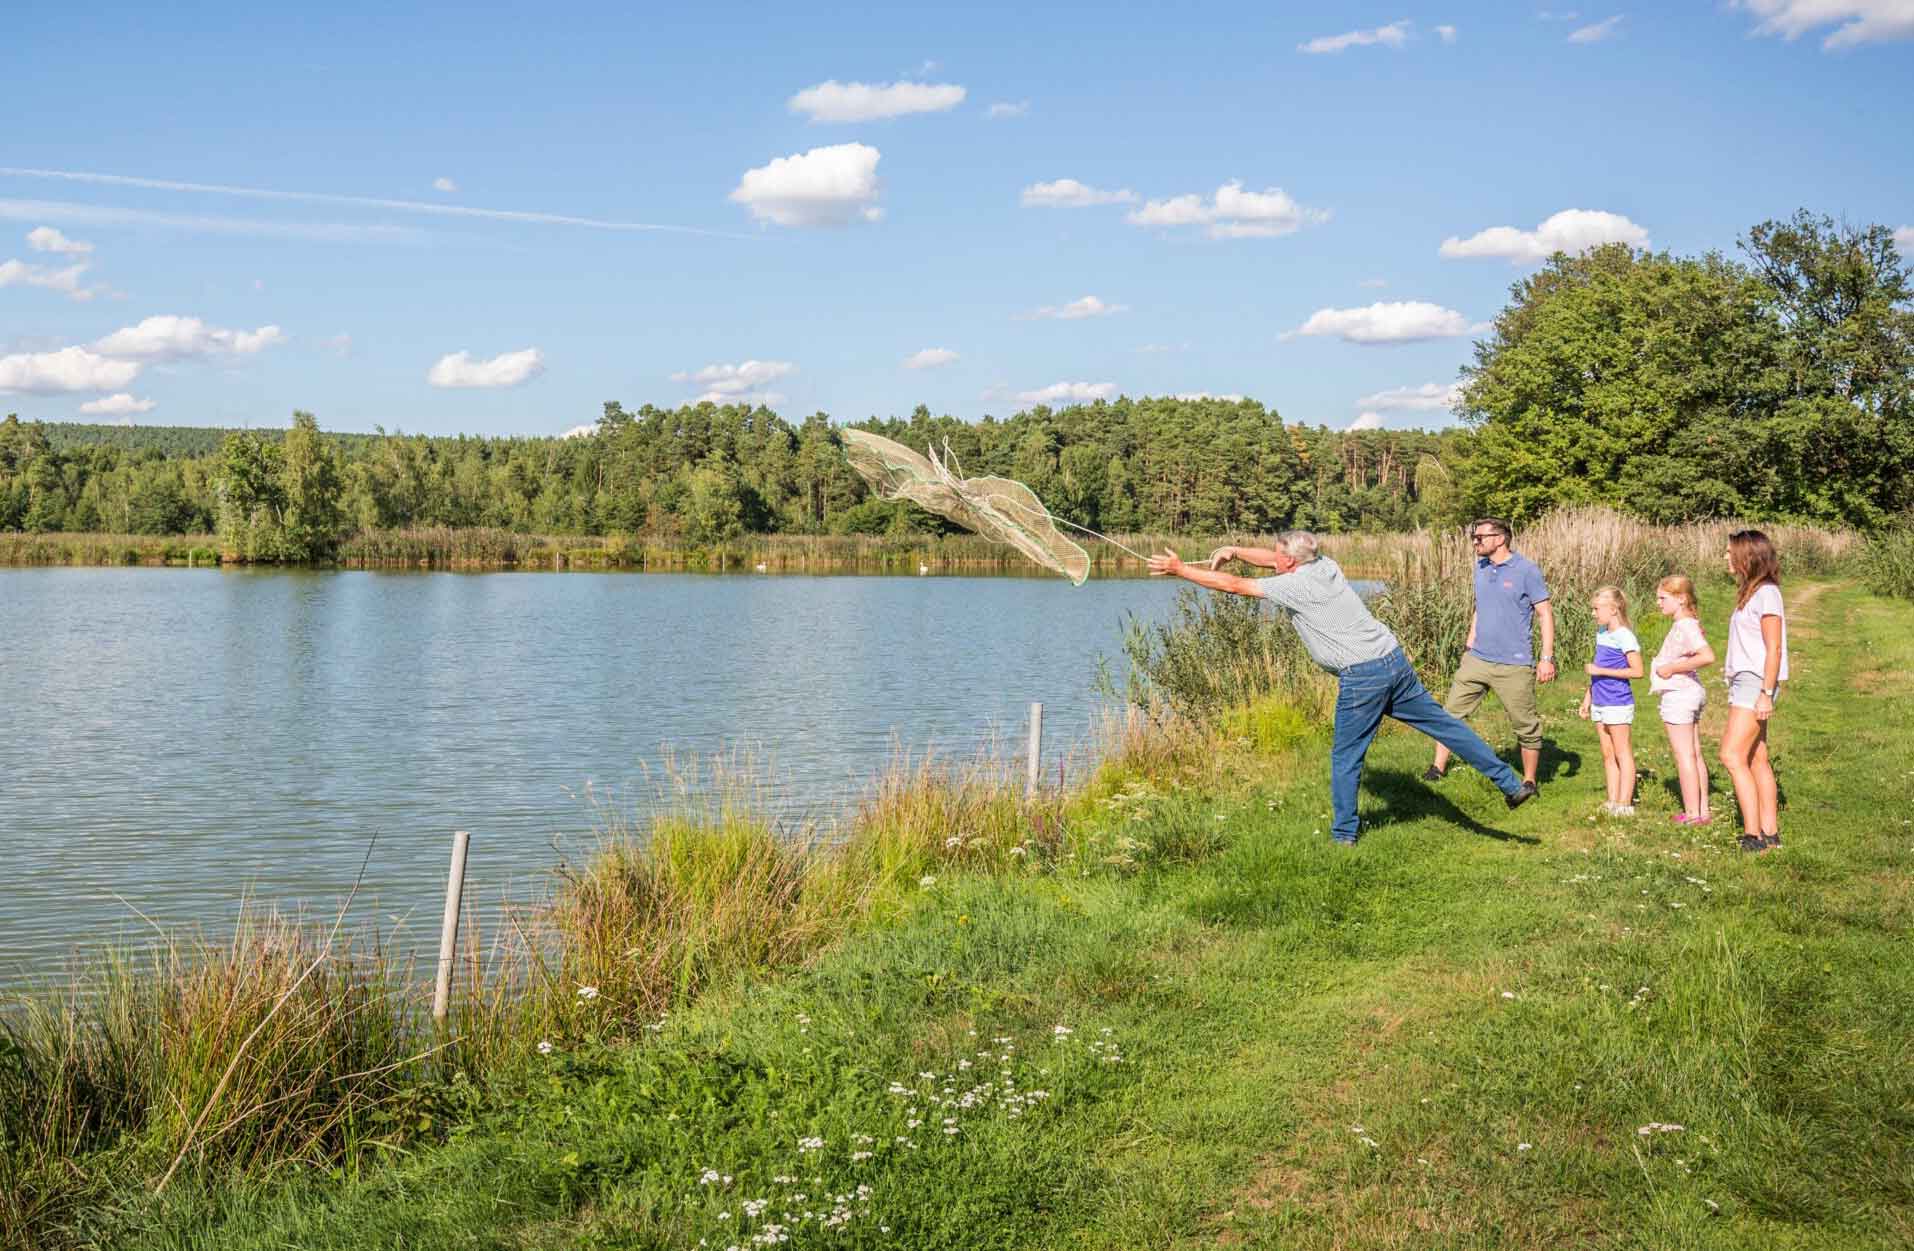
[[1452, 1036]]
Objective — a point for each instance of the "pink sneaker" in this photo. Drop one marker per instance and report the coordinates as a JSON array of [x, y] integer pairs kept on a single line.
[[1681, 818]]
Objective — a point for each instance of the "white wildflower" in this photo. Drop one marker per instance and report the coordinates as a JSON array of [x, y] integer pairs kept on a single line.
[[545, 1048], [588, 993]]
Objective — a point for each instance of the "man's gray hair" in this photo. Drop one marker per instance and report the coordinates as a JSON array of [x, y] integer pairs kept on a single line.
[[1299, 545]]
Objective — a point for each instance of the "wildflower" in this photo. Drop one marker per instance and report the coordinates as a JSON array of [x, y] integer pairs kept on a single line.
[[810, 1144], [588, 993], [1017, 851], [955, 840], [1062, 1031], [927, 881], [1658, 1127], [707, 1177], [545, 1048], [1508, 994], [1523, 1146], [858, 1157]]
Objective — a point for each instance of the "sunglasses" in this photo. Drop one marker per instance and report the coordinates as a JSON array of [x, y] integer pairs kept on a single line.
[[1483, 536]]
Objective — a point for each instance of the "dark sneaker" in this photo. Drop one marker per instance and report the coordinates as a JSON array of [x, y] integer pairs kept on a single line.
[[1772, 840], [1522, 796], [1753, 844], [1433, 774]]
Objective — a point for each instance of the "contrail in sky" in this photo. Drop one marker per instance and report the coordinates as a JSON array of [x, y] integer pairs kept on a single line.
[[320, 197]]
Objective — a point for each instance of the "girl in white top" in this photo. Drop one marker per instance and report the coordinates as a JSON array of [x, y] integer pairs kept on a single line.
[[1757, 666], [1682, 653]]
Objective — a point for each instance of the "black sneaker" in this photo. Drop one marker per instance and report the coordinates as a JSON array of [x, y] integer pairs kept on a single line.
[[1433, 774], [1753, 844], [1522, 796], [1772, 840]]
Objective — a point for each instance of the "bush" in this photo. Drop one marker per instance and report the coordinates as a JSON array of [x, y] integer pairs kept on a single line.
[[1887, 562]]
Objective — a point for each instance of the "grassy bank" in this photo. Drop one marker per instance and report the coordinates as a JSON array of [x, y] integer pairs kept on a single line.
[[1158, 1011]]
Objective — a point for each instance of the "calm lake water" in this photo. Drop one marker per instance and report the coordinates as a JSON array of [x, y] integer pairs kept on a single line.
[[171, 740]]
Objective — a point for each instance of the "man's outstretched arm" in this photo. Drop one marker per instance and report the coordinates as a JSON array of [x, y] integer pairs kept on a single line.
[[1170, 565], [1263, 557]]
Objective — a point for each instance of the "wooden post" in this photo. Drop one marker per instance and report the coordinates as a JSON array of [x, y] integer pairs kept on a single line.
[[1036, 748], [449, 932]]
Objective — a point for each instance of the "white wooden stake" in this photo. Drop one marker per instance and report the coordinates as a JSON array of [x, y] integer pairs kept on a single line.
[[449, 932], [1036, 748]]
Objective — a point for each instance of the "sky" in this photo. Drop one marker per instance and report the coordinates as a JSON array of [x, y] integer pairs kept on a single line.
[[492, 220]]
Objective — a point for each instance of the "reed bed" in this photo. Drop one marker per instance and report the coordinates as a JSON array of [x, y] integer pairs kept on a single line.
[[108, 549]]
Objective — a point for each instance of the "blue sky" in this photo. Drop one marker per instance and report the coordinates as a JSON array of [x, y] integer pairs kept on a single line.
[[1266, 177]]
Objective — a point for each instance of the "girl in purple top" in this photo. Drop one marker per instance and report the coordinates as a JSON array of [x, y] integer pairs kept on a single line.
[[1610, 701]]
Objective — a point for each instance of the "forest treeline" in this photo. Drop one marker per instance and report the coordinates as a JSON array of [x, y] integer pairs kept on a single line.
[[1779, 384]]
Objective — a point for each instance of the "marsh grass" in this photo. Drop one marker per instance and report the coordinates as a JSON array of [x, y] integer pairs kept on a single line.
[[1886, 564]]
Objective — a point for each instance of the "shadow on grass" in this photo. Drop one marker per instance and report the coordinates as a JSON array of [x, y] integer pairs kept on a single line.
[[1406, 797], [1556, 762]]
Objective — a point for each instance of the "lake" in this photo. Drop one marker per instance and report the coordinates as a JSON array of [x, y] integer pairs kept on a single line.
[[174, 740]]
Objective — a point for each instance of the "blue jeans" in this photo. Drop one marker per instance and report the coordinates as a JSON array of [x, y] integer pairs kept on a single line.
[[1389, 686]]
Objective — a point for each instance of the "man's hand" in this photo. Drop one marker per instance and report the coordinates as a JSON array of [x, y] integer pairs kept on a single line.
[[1221, 556], [1167, 564], [1545, 672]]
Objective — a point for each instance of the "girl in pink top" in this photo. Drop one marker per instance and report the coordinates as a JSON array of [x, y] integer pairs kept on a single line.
[[1682, 653], [1757, 665]]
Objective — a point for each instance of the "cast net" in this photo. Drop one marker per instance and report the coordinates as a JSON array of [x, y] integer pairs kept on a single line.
[[1000, 509]]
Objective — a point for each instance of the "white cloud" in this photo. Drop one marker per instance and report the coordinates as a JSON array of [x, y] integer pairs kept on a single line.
[[741, 383], [929, 358], [1005, 108], [1228, 398], [67, 281], [172, 338], [1394, 35], [1859, 21], [69, 369], [1232, 213], [507, 369], [1076, 310], [1069, 393], [444, 184], [580, 432], [1069, 193], [1447, 33], [1598, 32], [107, 215], [1571, 231], [47, 239], [831, 186], [1429, 397], [1904, 238], [321, 197], [1368, 421], [833, 101], [119, 404], [1403, 321]]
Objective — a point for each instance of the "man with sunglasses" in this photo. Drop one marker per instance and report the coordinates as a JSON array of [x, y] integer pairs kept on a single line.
[[1510, 595]]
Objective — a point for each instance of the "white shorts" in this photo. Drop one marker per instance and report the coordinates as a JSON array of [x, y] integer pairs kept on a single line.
[[1745, 687], [1612, 714], [1683, 707]]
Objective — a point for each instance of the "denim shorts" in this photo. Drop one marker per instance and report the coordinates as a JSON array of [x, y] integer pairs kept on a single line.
[[1682, 707], [1612, 714], [1745, 687]]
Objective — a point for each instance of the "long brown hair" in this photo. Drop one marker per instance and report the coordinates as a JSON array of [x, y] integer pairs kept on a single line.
[[1752, 556]]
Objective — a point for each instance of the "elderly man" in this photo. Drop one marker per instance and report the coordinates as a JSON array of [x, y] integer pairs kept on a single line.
[[1344, 637], [1510, 595]]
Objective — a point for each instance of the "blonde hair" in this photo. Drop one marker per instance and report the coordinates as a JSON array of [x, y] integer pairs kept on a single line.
[[1616, 596], [1682, 587]]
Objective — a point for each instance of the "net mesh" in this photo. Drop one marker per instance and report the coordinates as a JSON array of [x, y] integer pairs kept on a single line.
[[1000, 509]]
